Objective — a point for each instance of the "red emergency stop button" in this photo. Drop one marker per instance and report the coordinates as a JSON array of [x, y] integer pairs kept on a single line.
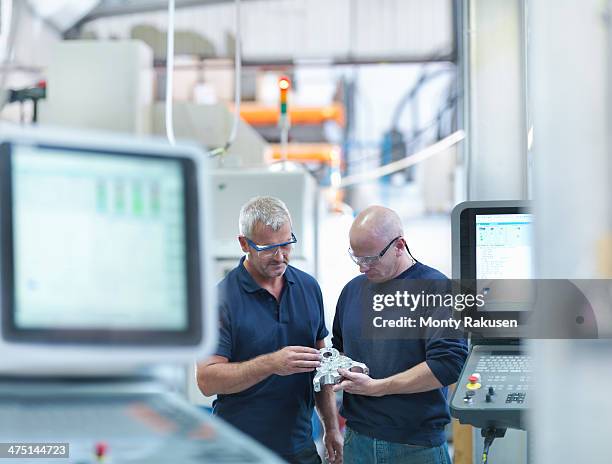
[[474, 382], [101, 450]]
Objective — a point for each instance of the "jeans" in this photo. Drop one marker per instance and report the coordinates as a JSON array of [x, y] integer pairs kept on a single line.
[[308, 455], [361, 449]]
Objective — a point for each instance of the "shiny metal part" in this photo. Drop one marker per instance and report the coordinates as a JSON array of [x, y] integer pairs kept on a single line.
[[332, 360]]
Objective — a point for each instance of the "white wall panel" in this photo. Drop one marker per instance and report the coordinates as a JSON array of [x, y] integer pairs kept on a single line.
[[497, 112]]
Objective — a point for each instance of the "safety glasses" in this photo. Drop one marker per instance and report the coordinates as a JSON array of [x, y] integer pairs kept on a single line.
[[271, 250], [373, 260]]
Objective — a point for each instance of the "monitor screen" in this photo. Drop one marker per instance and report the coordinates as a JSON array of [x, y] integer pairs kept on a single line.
[[492, 240], [493, 254], [99, 246], [503, 246]]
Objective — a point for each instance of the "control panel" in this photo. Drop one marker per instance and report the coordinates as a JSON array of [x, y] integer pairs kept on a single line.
[[119, 422], [494, 387]]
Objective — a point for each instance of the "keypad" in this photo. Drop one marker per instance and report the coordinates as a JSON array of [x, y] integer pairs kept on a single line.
[[507, 364]]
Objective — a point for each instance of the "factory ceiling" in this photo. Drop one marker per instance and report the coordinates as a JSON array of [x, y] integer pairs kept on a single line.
[[65, 14], [118, 7]]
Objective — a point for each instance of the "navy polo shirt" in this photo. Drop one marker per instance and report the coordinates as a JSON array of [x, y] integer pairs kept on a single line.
[[278, 410], [417, 418]]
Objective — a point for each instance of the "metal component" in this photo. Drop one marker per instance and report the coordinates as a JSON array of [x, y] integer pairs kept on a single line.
[[332, 360]]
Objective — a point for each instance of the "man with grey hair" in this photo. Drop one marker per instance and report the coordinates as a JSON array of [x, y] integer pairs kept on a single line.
[[271, 327], [398, 412]]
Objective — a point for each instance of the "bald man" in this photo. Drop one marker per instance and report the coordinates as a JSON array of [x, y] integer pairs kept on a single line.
[[397, 413]]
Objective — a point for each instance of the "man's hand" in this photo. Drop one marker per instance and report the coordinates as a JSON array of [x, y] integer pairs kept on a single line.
[[295, 360], [359, 384], [334, 443]]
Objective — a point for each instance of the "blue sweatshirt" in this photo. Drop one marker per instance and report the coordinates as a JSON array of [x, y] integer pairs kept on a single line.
[[418, 418]]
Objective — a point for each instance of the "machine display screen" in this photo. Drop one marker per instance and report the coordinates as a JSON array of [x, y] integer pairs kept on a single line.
[[503, 246], [494, 241], [99, 246]]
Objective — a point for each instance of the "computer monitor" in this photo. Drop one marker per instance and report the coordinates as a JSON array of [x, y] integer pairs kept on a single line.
[[103, 256], [493, 256], [492, 240], [503, 246]]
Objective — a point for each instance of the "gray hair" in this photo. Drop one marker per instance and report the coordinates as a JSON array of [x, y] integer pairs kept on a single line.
[[270, 211]]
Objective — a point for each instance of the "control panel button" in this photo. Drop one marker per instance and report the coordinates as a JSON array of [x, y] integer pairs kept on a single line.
[[474, 380]]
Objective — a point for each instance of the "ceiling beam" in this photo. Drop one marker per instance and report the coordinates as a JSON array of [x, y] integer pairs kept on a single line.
[[106, 9]]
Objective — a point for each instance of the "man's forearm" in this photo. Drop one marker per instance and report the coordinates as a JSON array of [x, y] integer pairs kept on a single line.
[[234, 377], [417, 379], [325, 402]]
